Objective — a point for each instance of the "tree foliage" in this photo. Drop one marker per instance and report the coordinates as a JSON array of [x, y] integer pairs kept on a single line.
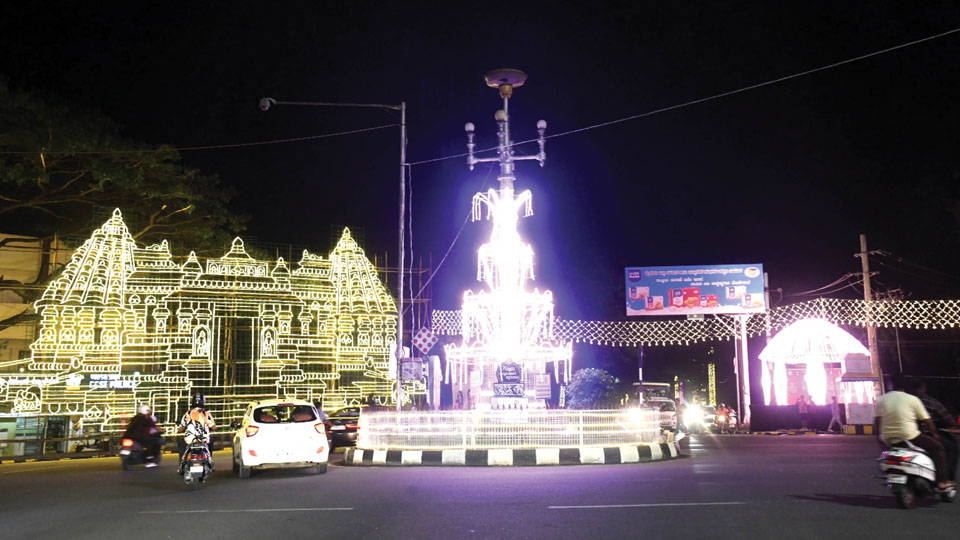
[[591, 388], [58, 165], [61, 170]]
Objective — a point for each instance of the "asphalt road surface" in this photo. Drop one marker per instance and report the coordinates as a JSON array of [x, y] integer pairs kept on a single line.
[[730, 486]]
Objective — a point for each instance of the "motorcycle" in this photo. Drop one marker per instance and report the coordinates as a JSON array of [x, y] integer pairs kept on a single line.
[[196, 464], [132, 453], [910, 475], [731, 422]]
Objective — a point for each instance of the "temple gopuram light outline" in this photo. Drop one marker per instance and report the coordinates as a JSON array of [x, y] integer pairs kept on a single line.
[[125, 325]]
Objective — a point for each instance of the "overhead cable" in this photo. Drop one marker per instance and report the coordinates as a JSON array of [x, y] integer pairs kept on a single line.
[[713, 97]]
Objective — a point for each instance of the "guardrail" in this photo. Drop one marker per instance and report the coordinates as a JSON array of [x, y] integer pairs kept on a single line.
[[536, 428]]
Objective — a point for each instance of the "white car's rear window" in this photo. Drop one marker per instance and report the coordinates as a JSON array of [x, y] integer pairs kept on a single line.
[[284, 414]]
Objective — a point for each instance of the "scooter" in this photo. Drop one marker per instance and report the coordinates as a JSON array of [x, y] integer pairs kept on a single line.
[[732, 421], [196, 464], [910, 475], [132, 453]]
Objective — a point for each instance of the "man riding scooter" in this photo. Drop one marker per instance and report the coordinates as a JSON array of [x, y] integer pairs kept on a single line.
[[143, 429], [896, 420]]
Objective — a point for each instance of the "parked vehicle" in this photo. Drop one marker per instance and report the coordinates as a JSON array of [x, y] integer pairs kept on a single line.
[[196, 464], [132, 453], [279, 433], [342, 427], [910, 475]]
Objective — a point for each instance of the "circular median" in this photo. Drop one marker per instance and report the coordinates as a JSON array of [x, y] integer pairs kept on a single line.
[[511, 438]]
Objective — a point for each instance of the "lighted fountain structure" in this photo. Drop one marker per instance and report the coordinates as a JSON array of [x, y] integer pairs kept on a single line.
[[508, 350]]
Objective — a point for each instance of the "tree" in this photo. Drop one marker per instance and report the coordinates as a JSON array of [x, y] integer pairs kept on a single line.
[[60, 168], [591, 388]]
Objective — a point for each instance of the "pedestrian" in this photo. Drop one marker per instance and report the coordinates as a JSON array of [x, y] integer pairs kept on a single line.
[[835, 415], [802, 409]]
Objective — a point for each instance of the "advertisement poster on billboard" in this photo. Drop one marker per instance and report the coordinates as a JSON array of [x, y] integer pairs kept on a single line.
[[695, 290]]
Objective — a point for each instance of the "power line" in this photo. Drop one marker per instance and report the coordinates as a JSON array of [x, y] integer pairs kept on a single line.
[[928, 279], [917, 265], [454, 241], [713, 97], [827, 286], [208, 147], [565, 133]]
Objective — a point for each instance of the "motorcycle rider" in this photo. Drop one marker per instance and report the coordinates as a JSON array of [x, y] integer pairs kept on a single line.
[[722, 413], [143, 429], [943, 421], [896, 420], [196, 425], [731, 420]]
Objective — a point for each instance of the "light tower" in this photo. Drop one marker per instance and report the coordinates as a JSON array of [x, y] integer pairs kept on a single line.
[[507, 329]]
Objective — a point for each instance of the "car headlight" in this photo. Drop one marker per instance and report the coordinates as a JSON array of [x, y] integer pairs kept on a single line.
[[693, 415]]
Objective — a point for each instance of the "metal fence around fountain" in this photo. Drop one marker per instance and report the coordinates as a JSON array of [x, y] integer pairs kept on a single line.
[[526, 428]]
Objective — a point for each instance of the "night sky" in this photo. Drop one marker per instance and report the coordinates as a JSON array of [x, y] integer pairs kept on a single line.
[[787, 175]]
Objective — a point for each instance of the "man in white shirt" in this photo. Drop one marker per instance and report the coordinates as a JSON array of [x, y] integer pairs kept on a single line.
[[896, 420]]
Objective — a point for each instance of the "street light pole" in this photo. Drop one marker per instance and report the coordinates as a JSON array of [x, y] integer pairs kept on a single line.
[[403, 208], [267, 102]]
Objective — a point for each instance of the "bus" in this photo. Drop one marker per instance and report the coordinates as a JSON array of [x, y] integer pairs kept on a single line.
[[653, 391]]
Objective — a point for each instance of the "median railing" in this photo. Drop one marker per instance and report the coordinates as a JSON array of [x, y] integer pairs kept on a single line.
[[507, 429]]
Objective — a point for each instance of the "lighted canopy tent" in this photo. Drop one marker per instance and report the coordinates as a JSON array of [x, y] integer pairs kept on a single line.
[[814, 345]]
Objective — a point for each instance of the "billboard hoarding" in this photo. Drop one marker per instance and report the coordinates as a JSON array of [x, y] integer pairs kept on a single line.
[[728, 289]]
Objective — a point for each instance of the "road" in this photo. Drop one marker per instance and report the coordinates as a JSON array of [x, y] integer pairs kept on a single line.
[[730, 486]]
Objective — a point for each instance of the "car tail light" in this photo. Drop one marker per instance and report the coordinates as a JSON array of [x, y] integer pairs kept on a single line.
[[351, 426], [253, 453], [252, 430], [320, 450], [127, 443], [321, 429]]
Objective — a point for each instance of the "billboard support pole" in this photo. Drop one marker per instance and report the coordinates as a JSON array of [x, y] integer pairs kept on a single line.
[[744, 373]]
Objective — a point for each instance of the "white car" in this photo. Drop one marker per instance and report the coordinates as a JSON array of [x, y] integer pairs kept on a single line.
[[277, 433], [668, 412]]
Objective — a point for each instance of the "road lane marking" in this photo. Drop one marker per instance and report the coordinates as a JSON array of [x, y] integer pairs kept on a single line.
[[645, 505], [245, 510], [37, 469]]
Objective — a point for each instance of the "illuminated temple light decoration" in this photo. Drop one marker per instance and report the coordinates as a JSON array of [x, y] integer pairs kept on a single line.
[[125, 325], [813, 343]]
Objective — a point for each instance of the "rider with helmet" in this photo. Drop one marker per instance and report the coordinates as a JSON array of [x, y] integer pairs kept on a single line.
[[196, 424], [722, 412], [143, 429]]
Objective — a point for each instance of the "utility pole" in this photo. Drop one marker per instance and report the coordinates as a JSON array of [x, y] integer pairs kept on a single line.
[[871, 327], [403, 207]]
